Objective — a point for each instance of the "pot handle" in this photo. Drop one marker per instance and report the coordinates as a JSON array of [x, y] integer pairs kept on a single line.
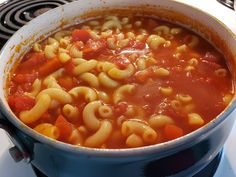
[[19, 151]]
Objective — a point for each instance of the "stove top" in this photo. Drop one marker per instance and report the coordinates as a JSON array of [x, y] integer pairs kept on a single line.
[[16, 13]]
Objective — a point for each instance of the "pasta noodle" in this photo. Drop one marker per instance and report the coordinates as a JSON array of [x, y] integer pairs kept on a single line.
[[134, 140], [158, 121], [100, 137], [105, 66], [154, 41], [120, 92], [85, 67], [37, 111], [91, 79], [76, 138], [147, 133], [90, 119], [105, 111], [107, 81], [71, 112], [121, 74], [162, 30], [195, 119], [36, 88], [88, 93], [57, 94]]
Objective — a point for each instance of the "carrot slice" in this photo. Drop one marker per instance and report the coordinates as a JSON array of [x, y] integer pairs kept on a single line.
[[66, 82], [49, 67], [32, 60], [172, 131], [64, 127]]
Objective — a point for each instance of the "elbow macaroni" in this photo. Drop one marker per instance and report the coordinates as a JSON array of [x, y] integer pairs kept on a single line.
[[71, 112], [121, 74], [57, 94], [120, 92], [37, 111], [85, 67], [147, 133], [89, 115], [107, 81], [100, 137], [91, 79], [36, 87], [88, 93]]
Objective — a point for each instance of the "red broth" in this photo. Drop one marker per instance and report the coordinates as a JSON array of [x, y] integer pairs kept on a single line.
[[120, 82]]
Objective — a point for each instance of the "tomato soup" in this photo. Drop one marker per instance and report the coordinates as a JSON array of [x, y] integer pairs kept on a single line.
[[120, 82]]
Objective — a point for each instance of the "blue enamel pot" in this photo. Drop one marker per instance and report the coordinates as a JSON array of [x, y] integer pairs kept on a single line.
[[182, 157]]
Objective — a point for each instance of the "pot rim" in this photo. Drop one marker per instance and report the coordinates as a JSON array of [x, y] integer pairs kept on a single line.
[[166, 147]]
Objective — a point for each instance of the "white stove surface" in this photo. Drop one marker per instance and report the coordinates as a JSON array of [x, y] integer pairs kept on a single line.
[[227, 167]]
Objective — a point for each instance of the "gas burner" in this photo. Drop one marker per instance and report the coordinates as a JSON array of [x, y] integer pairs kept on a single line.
[[228, 3], [14, 14]]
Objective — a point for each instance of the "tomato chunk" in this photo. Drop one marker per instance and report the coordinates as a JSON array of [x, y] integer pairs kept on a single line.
[[93, 48], [172, 132], [69, 67], [64, 127], [121, 62], [80, 35], [25, 78], [21, 103]]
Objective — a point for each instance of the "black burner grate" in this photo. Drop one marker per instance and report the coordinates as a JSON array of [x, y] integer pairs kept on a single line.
[[228, 3], [14, 14]]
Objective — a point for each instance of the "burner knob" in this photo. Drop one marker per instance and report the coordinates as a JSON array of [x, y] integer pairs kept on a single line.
[[16, 154]]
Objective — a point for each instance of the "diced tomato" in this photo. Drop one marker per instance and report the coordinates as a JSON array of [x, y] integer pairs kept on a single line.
[[32, 60], [25, 78], [81, 35], [21, 103], [93, 48], [121, 62], [11, 101], [79, 45], [19, 90], [139, 45], [46, 117], [66, 82], [172, 131], [69, 67], [64, 127], [27, 87], [50, 66]]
